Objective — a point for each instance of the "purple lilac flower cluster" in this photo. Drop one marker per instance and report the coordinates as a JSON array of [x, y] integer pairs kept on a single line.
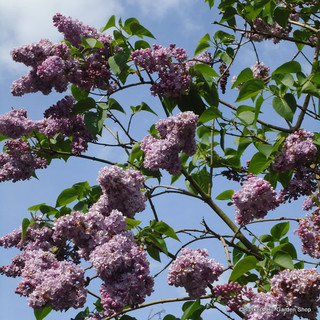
[[18, 162], [60, 119], [311, 201], [293, 292], [297, 154], [174, 78], [53, 67], [193, 271], [121, 190], [49, 282], [176, 134], [262, 30], [254, 199], [309, 234], [233, 295], [260, 71]]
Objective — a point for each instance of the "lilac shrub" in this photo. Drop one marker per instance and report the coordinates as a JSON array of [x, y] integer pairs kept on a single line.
[[193, 271], [176, 134], [254, 200]]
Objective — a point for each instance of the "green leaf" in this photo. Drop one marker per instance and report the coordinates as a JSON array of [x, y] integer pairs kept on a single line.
[[209, 114], [225, 195], [281, 15], [250, 89], [191, 102], [36, 207], [141, 44], [132, 223], [244, 76], [285, 106], [288, 67], [165, 229], [92, 43], [283, 259], [48, 210], [224, 36], [118, 62], [83, 105], [66, 196], [94, 121], [138, 30], [280, 230], [153, 252], [159, 243], [113, 104], [210, 3], [246, 264], [207, 72], [258, 163], [127, 317], [266, 149], [191, 309], [201, 47], [142, 107], [25, 224], [266, 238], [78, 94], [285, 247], [42, 313], [111, 23], [236, 253], [170, 317]]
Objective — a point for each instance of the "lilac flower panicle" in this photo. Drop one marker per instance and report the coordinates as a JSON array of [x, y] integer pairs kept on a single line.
[[18, 163], [193, 271], [122, 189], [254, 200], [311, 201], [298, 151], [309, 234], [260, 71], [49, 282], [176, 134], [15, 124]]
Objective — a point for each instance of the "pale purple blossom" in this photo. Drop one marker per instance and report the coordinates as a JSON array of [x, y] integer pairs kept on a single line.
[[193, 271]]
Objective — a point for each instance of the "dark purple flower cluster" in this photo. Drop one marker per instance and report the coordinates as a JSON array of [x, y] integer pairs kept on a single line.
[[174, 78], [293, 292], [121, 191], [193, 271], [254, 200], [233, 295], [59, 119], [18, 162], [309, 234], [176, 134], [297, 154], [52, 65], [261, 30]]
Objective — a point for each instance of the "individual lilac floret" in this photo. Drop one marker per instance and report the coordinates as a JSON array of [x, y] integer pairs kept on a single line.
[[193, 271], [298, 151], [260, 71], [18, 163], [233, 295], [309, 234], [311, 201], [254, 200], [15, 124], [49, 282], [298, 289], [176, 134], [122, 188]]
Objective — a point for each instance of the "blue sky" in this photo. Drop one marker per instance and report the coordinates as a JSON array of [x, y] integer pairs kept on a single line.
[[171, 21]]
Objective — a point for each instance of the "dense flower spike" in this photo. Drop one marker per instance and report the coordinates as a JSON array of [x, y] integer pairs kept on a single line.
[[233, 295], [254, 200], [18, 163], [176, 135], [309, 234], [311, 201], [193, 271], [59, 119], [298, 151], [15, 124], [174, 78], [122, 190], [224, 77], [49, 282], [260, 71]]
